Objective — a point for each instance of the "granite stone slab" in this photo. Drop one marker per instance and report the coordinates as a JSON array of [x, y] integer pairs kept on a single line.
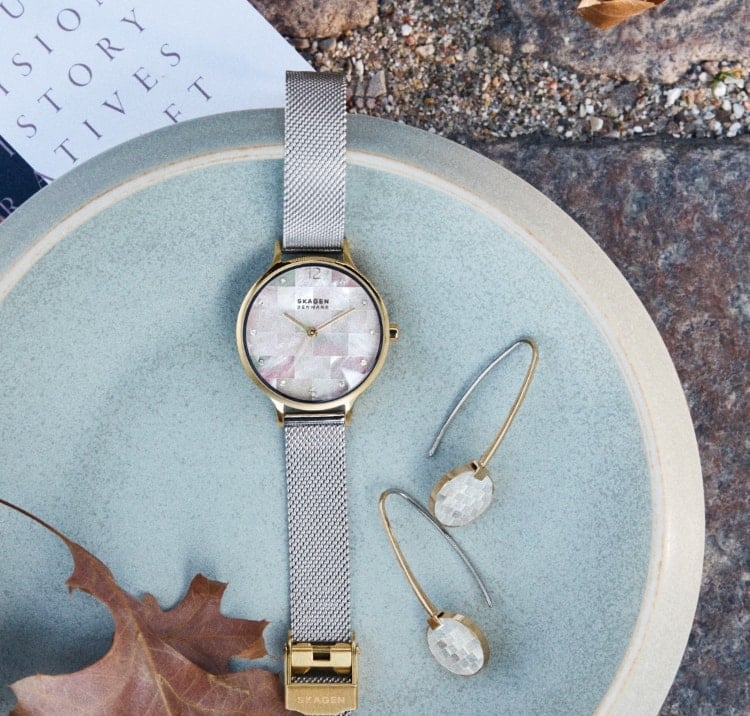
[[674, 218]]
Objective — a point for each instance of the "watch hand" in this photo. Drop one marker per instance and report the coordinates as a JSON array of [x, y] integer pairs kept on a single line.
[[306, 329], [335, 318]]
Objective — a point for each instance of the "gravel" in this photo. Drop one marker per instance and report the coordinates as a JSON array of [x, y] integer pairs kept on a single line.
[[433, 66]]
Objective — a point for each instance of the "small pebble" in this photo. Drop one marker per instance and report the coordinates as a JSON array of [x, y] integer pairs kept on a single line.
[[673, 95], [711, 66], [376, 86], [425, 51]]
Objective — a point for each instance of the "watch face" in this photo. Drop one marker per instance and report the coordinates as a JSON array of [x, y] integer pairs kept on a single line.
[[312, 333]]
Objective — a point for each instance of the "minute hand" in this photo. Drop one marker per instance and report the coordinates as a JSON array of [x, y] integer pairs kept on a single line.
[[335, 318]]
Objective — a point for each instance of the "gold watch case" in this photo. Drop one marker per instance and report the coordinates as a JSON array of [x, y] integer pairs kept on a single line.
[[283, 404]]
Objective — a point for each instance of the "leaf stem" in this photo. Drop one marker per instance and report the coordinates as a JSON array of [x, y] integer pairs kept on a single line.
[[36, 519]]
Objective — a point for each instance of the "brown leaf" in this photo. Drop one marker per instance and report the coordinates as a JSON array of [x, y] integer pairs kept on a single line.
[[197, 629], [608, 13], [147, 670]]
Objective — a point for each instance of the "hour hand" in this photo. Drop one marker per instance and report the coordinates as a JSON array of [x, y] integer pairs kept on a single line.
[[307, 329]]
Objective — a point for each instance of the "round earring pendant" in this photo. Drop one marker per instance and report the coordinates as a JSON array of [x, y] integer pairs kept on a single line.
[[461, 496], [458, 644]]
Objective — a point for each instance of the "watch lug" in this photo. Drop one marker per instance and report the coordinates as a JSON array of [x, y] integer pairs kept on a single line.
[[276, 253], [346, 254], [279, 407]]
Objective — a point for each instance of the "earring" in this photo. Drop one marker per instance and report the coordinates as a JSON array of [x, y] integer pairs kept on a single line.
[[455, 641], [464, 493]]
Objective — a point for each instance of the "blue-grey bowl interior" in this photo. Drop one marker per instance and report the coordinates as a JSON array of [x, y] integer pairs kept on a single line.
[[128, 423]]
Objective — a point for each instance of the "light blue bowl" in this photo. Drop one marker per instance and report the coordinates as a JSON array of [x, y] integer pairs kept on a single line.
[[129, 424]]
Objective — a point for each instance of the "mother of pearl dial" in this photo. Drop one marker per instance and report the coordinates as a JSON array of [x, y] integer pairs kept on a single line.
[[313, 333]]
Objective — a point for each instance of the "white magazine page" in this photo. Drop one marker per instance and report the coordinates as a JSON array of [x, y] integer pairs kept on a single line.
[[79, 77]]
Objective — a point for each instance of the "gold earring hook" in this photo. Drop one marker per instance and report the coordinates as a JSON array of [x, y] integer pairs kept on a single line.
[[424, 600], [495, 444]]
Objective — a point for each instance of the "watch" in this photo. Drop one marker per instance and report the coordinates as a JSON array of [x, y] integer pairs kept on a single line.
[[313, 333]]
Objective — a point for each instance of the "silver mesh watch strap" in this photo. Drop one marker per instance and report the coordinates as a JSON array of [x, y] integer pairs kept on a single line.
[[319, 603], [318, 529], [314, 161]]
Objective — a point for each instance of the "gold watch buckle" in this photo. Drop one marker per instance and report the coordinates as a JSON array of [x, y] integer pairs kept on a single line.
[[320, 659]]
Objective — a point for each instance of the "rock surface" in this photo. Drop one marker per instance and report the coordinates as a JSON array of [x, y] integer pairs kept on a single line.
[[441, 74], [674, 218], [317, 18], [659, 44]]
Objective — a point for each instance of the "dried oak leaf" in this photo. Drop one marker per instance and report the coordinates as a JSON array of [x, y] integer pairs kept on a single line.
[[608, 13], [197, 629], [172, 662]]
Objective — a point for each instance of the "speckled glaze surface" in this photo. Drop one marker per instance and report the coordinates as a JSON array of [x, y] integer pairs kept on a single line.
[[129, 423]]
